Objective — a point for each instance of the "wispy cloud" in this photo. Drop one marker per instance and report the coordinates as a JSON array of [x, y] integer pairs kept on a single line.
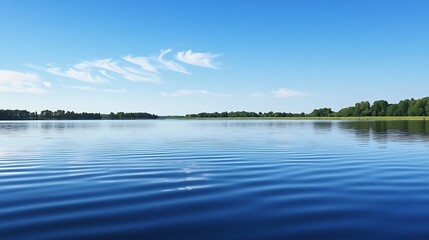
[[171, 65], [92, 89], [143, 62], [104, 73], [100, 70], [197, 59], [188, 92], [132, 68], [126, 72], [20, 82], [76, 74], [285, 92]]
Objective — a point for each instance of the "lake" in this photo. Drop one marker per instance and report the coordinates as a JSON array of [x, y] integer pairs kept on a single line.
[[214, 179]]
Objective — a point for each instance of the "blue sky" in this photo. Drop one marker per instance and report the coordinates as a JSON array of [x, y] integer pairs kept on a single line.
[[178, 57]]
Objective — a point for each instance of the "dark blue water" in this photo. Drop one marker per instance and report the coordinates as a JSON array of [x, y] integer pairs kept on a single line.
[[214, 180]]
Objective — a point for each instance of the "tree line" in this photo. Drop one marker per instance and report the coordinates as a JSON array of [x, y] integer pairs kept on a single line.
[[8, 114], [137, 115], [243, 114], [407, 107]]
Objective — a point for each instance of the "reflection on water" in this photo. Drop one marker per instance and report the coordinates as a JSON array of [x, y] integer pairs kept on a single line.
[[376, 130], [383, 131], [214, 179]]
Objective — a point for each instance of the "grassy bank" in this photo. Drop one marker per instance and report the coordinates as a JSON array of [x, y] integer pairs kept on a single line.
[[389, 118]]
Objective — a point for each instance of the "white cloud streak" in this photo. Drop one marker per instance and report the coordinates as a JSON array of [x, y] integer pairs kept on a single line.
[[132, 68], [285, 92], [76, 74], [197, 59], [143, 62], [126, 72], [188, 92], [171, 65], [104, 73], [20, 82]]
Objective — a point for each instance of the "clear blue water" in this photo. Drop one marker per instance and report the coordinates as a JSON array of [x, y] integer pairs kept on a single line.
[[167, 179]]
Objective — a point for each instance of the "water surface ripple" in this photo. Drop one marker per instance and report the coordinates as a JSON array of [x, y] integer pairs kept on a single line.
[[214, 179]]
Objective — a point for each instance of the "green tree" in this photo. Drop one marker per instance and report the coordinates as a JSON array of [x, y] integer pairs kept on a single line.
[[379, 108], [322, 112], [59, 114], [46, 114], [346, 112], [402, 109], [416, 108], [362, 109], [392, 109]]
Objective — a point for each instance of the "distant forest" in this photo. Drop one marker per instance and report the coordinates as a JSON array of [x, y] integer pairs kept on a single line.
[[407, 107], [69, 115]]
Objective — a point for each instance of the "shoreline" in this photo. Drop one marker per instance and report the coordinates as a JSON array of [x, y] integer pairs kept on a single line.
[[378, 118], [387, 118]]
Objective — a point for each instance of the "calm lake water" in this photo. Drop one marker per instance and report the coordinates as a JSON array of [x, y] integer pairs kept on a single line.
[[168, 179]]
